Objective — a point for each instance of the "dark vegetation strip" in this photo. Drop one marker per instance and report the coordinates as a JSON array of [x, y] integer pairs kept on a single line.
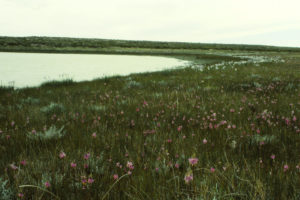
[[54, 44]]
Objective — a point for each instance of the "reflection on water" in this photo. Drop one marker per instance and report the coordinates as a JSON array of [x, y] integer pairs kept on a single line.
[[32, 69]]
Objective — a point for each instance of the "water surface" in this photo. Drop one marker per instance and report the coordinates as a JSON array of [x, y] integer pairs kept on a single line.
[[32, 69]]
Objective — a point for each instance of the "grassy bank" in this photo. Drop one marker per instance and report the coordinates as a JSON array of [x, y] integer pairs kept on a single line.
[[226, 130]]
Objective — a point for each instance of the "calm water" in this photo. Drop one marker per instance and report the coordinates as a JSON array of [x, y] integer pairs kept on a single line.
[[32, 69]]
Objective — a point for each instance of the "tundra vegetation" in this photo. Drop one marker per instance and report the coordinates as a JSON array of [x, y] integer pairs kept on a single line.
[[227, 129]]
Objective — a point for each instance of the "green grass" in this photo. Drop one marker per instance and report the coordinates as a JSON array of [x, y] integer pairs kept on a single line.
[[158, 121]]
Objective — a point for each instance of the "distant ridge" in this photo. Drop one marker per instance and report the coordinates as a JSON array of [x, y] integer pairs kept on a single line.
[[65, 44]]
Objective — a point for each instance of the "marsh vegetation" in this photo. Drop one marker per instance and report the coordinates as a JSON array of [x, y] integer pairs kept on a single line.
[[222, 130]]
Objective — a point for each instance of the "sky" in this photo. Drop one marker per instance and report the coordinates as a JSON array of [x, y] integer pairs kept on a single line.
[[268, 22]]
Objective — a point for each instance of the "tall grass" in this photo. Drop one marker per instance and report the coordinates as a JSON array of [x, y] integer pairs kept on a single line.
[[228, 131]]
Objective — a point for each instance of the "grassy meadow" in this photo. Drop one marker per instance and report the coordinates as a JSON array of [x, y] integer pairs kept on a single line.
[[227, 129]]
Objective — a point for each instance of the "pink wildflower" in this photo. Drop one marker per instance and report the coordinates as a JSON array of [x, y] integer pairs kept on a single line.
[[116, 176], [204, 141], [272, 156], [73, 165], [94, 135], [23, 162], [287, 121], [223, 122], [179, 128], [13, 166], [294, 118], [212, 170], [47, 184], [193, 161], [188, 178], [90, 181], [130, 165], [87, 156], [62, 155], [21, 195], [285, 167], [145, 103]]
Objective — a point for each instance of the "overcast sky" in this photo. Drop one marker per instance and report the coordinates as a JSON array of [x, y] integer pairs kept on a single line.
[[271, 22]]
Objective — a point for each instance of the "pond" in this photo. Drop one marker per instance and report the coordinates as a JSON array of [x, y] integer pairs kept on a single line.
[[32, 69]]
